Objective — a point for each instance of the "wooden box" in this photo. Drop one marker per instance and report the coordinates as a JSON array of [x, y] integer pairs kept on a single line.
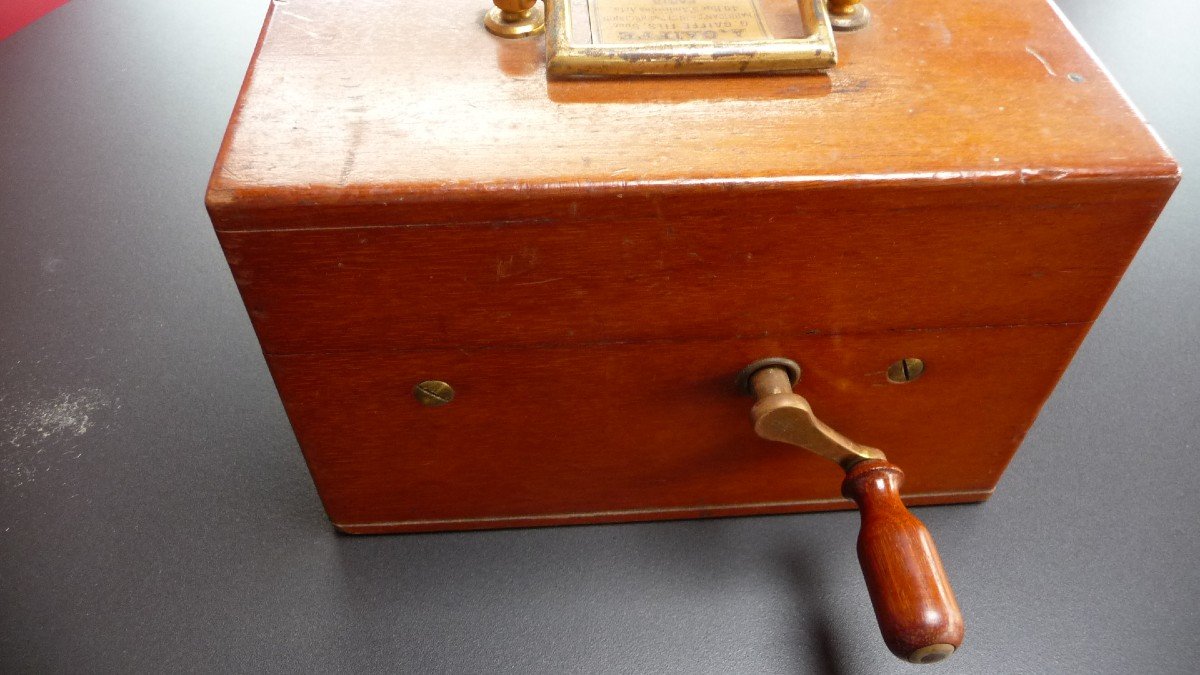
[[404, 197]]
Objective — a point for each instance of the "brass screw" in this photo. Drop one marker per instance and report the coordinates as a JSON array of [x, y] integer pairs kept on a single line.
[[905, 370], [433, 393]]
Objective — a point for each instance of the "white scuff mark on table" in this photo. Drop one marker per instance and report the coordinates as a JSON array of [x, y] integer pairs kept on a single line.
[[35, 435]]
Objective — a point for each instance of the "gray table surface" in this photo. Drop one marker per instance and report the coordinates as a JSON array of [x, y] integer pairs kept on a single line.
[[155, 514]]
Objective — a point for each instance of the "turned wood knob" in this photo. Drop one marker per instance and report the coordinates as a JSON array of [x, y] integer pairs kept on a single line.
[[913, 601]]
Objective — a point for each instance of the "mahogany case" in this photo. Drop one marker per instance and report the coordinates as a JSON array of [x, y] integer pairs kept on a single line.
[[404, 197]]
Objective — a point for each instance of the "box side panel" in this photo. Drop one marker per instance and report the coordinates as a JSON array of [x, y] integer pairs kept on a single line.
[[780, 265], [638, 431]]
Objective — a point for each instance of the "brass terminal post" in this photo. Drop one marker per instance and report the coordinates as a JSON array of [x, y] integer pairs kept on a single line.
[[515, 18], [848, 15]]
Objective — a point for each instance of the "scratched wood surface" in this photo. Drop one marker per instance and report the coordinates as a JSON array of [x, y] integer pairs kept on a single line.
[[590, 263], [404, 103]]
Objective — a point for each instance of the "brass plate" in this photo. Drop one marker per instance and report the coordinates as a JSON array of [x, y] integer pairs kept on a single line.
[[814, 50], [636, 21]]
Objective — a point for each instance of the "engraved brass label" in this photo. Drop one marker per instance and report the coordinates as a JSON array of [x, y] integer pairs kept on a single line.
[[631, 21]]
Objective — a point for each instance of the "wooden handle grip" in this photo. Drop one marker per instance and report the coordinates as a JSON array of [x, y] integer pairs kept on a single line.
[[914, 604]]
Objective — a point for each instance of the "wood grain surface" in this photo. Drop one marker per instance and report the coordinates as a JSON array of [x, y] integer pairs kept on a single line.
[[917, 612], [415, 106], [850, 259], [546, 435], [590, 263]]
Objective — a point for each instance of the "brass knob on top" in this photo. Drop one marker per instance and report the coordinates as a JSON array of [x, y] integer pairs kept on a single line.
[[848, 15], [515, 18], [917, 613]]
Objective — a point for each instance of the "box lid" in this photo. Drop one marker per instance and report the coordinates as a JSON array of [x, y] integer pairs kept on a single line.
[[352, 105]]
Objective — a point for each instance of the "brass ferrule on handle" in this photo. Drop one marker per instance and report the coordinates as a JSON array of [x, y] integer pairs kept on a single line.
[[914, 604]]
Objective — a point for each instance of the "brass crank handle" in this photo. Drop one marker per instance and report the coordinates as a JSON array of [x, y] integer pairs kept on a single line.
[[914, 604]]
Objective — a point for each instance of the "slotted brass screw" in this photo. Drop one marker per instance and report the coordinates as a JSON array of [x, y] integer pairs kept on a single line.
[[433, 393], [905, 370]]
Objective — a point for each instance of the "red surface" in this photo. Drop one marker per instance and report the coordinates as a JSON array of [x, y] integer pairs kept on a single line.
[[16, 14]]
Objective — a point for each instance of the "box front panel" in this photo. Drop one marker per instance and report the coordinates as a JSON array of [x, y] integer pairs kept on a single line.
[[652, 430]]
